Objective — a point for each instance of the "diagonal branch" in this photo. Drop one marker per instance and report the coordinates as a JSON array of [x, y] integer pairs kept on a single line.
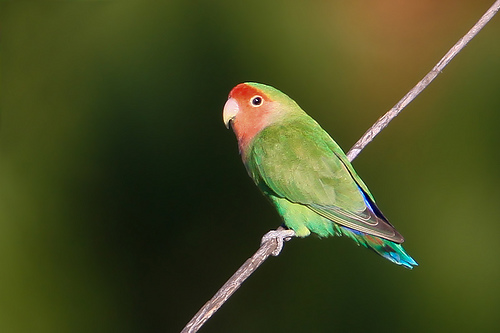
[[266, 249], [410, 96], [271, 245]]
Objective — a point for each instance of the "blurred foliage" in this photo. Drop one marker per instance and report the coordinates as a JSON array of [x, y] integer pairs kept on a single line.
[[123, 202]]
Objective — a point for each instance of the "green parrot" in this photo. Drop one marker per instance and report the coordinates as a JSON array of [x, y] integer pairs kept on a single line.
[[304, 173]]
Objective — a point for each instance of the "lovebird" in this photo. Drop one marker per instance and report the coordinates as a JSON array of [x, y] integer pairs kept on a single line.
[[305, 173]]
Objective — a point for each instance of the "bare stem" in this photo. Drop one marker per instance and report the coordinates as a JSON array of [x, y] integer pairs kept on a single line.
[[392, 113], [268, 247]]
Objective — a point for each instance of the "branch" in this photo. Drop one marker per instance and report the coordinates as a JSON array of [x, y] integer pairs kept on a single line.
[[392, 113], [268, 247], [272, 245]]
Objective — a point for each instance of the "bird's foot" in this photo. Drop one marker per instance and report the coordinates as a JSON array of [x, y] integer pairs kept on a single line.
[[281, 236]]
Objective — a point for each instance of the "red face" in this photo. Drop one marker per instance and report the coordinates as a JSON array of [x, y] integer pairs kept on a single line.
[[247, 111]]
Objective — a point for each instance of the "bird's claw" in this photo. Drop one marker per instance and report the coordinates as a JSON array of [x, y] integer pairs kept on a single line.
[[281, 236]]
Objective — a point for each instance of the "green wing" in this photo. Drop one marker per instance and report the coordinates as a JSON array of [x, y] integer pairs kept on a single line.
[[298, 161]]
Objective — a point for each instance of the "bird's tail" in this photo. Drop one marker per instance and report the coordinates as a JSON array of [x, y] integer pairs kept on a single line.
[[387, 249]]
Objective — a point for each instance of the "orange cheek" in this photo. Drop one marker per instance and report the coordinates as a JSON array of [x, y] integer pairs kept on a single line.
[[247, 125]]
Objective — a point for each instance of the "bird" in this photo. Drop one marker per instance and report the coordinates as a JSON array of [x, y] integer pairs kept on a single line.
[[305, 173]]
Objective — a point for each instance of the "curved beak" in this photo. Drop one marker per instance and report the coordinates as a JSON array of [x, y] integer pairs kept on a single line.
[[231, 109]]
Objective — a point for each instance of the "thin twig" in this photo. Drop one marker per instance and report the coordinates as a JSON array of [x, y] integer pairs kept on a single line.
[[268, 247], [392, 113], [234, 282]]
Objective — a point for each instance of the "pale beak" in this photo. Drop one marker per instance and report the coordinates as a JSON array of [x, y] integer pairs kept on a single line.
[[231, 109]]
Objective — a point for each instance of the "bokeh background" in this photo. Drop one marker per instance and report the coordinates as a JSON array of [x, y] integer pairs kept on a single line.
[[124, 205]]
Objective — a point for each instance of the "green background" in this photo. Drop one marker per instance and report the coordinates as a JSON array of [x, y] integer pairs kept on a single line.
[[124, 205]]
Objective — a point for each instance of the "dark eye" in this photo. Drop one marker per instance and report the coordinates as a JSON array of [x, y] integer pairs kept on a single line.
[[257, 101]]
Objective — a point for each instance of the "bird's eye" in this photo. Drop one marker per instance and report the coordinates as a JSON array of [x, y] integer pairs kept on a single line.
[[256, 101]]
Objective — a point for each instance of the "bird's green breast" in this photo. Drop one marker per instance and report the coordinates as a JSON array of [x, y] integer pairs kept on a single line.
[[297, 160]]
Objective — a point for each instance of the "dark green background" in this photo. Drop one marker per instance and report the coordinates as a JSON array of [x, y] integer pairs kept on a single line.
[[124, 205]]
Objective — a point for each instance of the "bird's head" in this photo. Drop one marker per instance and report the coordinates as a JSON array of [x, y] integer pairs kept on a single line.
[[253, 106]]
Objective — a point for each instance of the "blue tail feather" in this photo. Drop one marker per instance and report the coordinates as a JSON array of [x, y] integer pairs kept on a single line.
[[391, 251]]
